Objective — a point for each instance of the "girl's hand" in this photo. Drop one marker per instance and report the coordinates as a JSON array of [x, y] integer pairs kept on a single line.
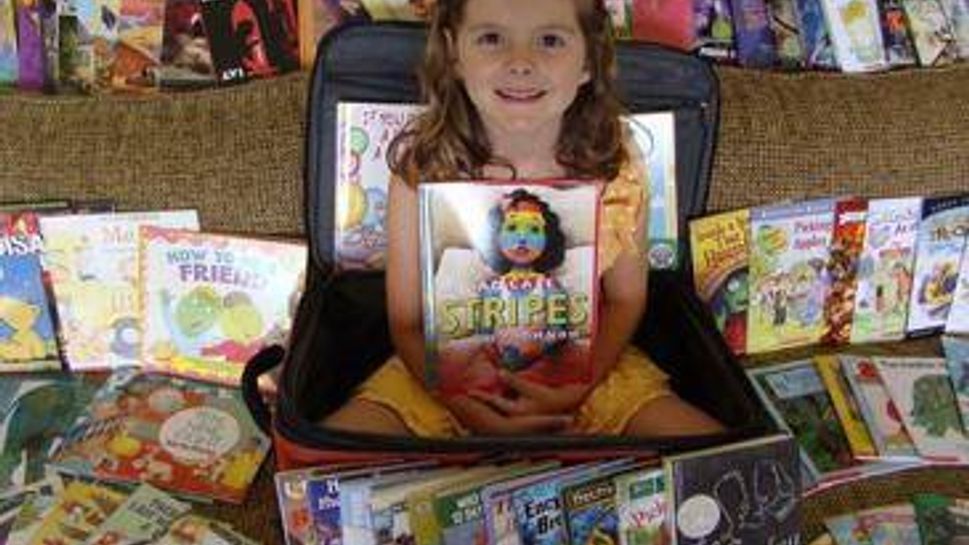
[[481, 418], [534, 399]]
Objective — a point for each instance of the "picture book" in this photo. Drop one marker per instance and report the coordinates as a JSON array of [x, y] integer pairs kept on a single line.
[[589, 510], [92, 260], [390, 519], [941, 239], [144, 516], [667, 23], [196, 530], [28, 341], [891, 524], [930, 31], [815, 36], [933, 518], [742, 492], [183, 436], [251, 38], [76, 514], [9, 61], [794, 395], [885, 268], [364, 133], [209, 302], [655, 136], [642, 507], [790, 245], [137, 55], [845, 405], [40, 498], [842, 269], [959, 518], [752, 33], [846, 529], [719, 247], [356, 523], [957, 12], [509, 277], [297, 523], [714, 29], [501, 525], [957, 361], [423, 520], [856, 34], [899, 49], [89, 33], [621, 18], [884, 422], [957, 322], [36, 409], [186, 59], [30, 45], [787, 33], [925, 399]]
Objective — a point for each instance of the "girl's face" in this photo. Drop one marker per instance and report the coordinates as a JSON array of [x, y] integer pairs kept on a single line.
[[522, 63], [522, 236]]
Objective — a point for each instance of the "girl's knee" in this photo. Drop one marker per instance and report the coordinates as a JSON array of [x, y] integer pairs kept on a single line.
[[671, 416], [360, 415]]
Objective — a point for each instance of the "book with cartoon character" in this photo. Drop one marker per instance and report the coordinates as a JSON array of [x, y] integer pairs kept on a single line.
[[790, 245], [881, 416], [642, 506], [186, 58], [719, 247], [655, 137], [27, 338], [184, 436], [364, 133], [509, 276], [714, 29], [957, 360], [930, 30], [144, 516], [92, 260], [742, 492], [76, 513], [958, 320], [752, 32], [899, 49], [210, 302], [251, 38], [884, 276], [941, 239], [842, 268], [815, 35], [137, 54], [787, 33], [856, 34]]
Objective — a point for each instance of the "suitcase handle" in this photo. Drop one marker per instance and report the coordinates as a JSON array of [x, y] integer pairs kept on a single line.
[[260, 364]]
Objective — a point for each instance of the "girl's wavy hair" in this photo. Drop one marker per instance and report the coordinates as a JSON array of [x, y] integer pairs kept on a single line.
[[448, 140]]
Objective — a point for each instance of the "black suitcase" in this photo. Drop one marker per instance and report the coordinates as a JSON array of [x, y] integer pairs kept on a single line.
[[340, 333]]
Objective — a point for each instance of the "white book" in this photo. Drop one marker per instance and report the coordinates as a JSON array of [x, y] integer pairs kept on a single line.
[[958, 319], [855, 34], [957, 12], [655, 135]]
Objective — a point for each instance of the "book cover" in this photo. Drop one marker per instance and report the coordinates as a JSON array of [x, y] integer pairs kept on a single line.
[[930, 31], [40, 499], [957, 322], [959, 517], [815, 36], [845, 405], [642, 507], [185, 55], [621, 18], [899, 49], [891, 524], [144, 516], [390, 519], [423, 520], [137, 53], [251, 38], [846, 529], [720, 249], [92, 260], [941, 239], [589, 510], [714, 29], [188, 437], [885, 269], [933, 518], [297, 523], [364, 133], [667, 23], [752, 32], [743, 492], [88, 49], [509, 279], [501, 526], [197, 530], [27, 337], [856, 34], [957, 12], [210, 302], [30, 45], [957, 361], [842, 269], [795, 396], [790, 245], [921, 391], [884, 422], [787, 32], [77, 512], [655, 136], [9, 61]]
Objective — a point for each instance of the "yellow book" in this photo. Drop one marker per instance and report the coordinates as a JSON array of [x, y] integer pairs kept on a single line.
[[859, 439], [420, 503]]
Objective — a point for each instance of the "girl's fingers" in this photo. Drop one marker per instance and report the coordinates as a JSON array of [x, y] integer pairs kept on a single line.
[[502, 404]]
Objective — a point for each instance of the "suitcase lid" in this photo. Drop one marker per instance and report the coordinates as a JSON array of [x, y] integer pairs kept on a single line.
[[377, 63]]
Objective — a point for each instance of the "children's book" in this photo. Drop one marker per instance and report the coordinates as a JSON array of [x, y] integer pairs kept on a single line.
[[880, 413], [957, 360], [144, 516], [92, 260], [815, 36], [957, 12], [714, 29], [959, 518], [210, 302], [501, 525], [885, 268], [251, 38], [743, 492], [188, 437], [297, 523], [790, 245], [589, 510], [30, 45], [77, 513], [9, 62], [891, 524], [667, 23], [829, 368], [364, 133], [41, 497], [922, 393], [752, 32], [27, 338], [856, 34], [196, 530], [655, 136], [509, 276], [185, 55], [642, 507], [958, 320], [356, 499], [621, 18], [423, 520], [930, 31], [787, 32], [899, 49], [137, 55], [719, 247], [941, 239], [390, 519], [795, 396], [932, 516], [846, 529], [842, 268]]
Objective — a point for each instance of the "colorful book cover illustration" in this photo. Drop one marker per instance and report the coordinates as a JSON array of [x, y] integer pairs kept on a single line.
[[40, 499], [934, 520], [144, 516], [91, 56], [356, 500], [957, 12], [856, 34], [958, 320], [882, 417], [923, 394], [720, 248], [655, 136], [9, 61], [196, 530], [76, 514], [137, 53], [291, 497], [642, 507], [957, 360], [752, 32], [589, 510], [621, 18], [27, 338], [829, 367], [899, 49], [846, 529], [842, 269], [210, 302], [188, 437], [35, 410], [942, 237], [891, 524], [364, 133], [885, 269], [815, 36], [251, 38], [92, 260], [185, 55], [790, 245], [30, 45], [744, 492], [509, 278], [930, 30], [667, 23], [501, 525], [420, 502], [714, 29], [787, 32], [389, 516], [795, 396]]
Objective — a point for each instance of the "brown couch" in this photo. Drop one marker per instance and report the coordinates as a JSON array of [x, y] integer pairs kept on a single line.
[[236, 154]]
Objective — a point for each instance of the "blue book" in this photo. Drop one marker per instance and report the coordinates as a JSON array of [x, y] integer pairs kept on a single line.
[[752, 32]]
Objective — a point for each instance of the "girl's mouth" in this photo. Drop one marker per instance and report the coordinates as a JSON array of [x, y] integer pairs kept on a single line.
[[516, 95]]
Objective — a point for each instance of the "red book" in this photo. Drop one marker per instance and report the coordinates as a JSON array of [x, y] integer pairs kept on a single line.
[[667, 23]]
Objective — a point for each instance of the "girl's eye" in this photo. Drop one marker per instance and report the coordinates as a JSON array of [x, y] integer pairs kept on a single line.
[[551, 41], [488, 39]]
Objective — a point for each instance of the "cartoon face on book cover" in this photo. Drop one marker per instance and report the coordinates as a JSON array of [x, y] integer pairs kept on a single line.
[[509, 279]]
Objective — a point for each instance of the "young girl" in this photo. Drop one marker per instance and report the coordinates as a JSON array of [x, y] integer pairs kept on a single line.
[[521, 89]]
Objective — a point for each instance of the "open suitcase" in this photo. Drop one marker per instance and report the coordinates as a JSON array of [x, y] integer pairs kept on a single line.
[[340, 332]]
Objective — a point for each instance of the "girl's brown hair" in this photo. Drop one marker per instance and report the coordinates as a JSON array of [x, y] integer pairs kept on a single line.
[[448, 140]]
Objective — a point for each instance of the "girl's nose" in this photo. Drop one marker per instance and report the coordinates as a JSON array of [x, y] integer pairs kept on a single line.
[[520, 62]]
